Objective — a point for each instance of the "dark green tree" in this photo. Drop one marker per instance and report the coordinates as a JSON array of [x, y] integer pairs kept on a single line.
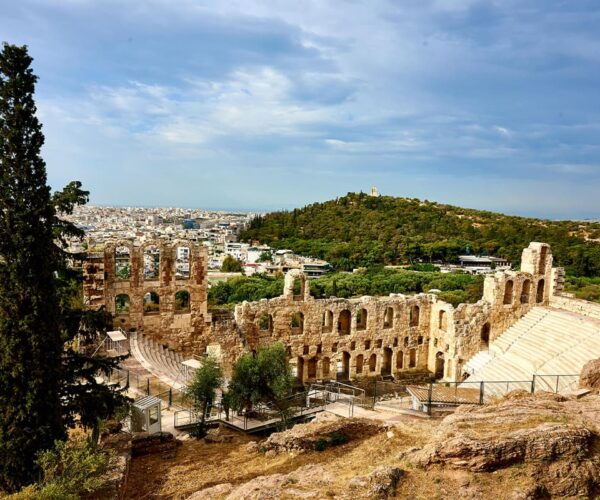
[[231, 265], [46, 384], [30, 336], [207, 379]]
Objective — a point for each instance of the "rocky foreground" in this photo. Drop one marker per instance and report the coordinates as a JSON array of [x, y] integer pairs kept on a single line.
[[524, 446]]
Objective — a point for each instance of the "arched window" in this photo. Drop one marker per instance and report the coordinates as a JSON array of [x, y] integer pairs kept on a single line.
[[442, 321], [414, 316], [182, 263], [399, 360], [539, 298], [412, 358], [327, 321], [406, 340], [388, 318], [151, 303], [298, 290], [525, 291], [122, 304], [373, 363], [508, 292], [344, 322], [182, 302], [386, 367], [420, 340], [485, 336], [359, 363], [361, 319], [325, 366], [151, 262], [312, 368], [265, 323], [297, 322], [543, 259], [122, 263]]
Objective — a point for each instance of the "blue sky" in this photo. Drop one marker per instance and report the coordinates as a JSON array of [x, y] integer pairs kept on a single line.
[[264, 105]]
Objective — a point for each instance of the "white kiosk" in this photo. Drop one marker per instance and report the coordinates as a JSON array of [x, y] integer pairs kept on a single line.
[[145, 415]]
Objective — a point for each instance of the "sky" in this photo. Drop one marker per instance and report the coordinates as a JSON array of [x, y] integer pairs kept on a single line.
[[265, 105]]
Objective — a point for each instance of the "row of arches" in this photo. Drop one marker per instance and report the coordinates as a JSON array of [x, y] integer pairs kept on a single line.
[[151, 303], [344, 322], [524, 298], [151, 262], [364, 365]]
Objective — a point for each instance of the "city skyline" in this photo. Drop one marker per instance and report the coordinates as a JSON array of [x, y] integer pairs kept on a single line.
[[259, 106]]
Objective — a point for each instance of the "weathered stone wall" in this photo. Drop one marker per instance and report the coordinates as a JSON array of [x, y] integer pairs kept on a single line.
[[180, 330], [583, 307]]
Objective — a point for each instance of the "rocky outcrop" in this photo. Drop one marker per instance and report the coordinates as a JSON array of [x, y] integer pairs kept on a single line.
[[380, 484], [303, 437], [143, 443], [547, 432], [589, 378]]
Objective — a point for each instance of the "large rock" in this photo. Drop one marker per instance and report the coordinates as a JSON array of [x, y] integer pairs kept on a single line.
[[143, 443], [589, 378]]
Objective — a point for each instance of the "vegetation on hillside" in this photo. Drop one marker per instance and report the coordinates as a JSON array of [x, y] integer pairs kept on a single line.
[[455, 288], [358, 230]]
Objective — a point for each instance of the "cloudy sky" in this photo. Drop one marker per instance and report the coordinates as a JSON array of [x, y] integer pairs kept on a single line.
[[262, 105]]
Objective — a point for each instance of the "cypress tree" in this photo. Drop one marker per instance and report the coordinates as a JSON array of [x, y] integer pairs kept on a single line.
[[30, 336]]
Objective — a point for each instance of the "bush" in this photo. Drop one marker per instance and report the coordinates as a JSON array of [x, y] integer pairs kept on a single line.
[[321, 445], [337, 438], [70, 470]]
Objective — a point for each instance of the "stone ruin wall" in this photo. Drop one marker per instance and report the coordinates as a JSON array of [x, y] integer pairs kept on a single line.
[[402, 334], [182, 331]]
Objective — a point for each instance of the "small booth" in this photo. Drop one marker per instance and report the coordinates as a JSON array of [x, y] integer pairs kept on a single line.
[[189, 367], [116, 343], [145, 415]]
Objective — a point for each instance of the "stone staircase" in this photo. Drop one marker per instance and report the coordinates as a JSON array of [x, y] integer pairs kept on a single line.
[[543, 343], [163, 363]]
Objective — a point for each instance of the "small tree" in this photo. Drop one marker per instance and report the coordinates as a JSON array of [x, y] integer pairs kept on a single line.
[[207, 379], [231, 265], [264, 377], [265, 257]]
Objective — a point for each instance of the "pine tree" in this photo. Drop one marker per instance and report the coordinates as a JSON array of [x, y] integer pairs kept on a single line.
[[30, 337]]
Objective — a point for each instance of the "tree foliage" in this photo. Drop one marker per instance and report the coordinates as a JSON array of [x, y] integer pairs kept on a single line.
[[207, 379], [358, 230], [44, 387], [261, 377], [231, 265]]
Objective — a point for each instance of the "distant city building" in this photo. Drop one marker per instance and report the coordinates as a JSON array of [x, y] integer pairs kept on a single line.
[[480, 264], [374, 191]]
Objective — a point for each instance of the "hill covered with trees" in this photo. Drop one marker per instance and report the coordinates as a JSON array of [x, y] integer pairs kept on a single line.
[[358, 230]]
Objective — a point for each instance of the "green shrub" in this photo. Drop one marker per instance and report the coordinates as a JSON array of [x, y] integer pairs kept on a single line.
[[321, 445], [337, 438]]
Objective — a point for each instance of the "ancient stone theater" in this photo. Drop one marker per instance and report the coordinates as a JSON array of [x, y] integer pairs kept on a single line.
[[157, 291]]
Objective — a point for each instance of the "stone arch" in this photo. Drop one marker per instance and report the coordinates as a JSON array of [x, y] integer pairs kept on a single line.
[[485, 337], [359, 363], [297, 322], [151, 303], [508, 292], [443, 320], [295, 285], [525, 291], [344, 320], [312, 368], [122, 303], [539, 296], [386, 367], [543, 259], [265, 322], [372, 363], [325, 366], [412, 358], [343, 372], [361, 319], [414, 316], [151, 262], [399, 360], [182, 302], [122, 262], [406, 341], [388, 317], [327, 324], [300, 369], [439, 365], [182, 262]]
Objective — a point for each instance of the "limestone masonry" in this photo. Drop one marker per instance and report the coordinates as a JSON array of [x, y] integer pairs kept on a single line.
[[160, 289]]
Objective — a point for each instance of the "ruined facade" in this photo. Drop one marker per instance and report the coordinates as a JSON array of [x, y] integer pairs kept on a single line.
[[325, 338]]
